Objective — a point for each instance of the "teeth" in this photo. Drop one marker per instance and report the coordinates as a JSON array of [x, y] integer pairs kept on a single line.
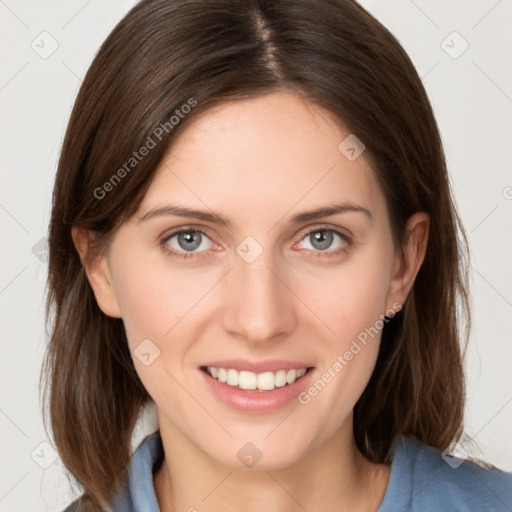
[[266, 381], [247, 380], [232, 378], [280, 378]]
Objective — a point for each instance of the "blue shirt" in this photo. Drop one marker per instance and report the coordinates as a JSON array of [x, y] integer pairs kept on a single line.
[[420, 481]]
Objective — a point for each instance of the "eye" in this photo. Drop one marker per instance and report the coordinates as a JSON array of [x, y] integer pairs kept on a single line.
[[186, 242], [321, 239]]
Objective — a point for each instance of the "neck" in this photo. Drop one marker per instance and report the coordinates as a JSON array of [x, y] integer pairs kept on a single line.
[[333, 476]]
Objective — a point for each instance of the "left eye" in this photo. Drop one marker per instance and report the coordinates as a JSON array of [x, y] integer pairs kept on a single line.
[[322, 239]]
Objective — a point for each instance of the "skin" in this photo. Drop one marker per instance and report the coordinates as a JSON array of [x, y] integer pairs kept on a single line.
[[258, 162]]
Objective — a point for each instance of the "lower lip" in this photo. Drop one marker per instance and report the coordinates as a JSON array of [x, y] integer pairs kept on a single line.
[[257, 401]]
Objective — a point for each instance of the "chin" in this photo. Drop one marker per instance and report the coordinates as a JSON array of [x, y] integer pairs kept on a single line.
[[260, 454]]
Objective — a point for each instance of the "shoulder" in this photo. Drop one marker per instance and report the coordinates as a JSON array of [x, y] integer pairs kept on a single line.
[[425, 479], [136, 491]]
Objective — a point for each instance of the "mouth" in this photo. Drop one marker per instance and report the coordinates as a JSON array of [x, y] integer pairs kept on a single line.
[[256, 387], [251, 381]]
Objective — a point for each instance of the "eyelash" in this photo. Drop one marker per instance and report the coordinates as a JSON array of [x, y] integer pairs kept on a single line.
[[194, 255]]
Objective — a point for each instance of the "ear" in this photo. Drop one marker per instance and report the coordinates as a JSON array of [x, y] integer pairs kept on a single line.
[[408, 259], [98, 273]]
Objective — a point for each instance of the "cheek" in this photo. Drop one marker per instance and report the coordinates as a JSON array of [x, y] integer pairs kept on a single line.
[[351, 304], [144, 309], [154, 303], [350, 298], [151, 300]]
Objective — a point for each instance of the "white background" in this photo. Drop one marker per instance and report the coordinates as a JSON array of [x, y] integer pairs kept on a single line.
[[472, 98]]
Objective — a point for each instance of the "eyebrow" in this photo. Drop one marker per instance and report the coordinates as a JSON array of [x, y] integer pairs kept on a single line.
[[214, 218]]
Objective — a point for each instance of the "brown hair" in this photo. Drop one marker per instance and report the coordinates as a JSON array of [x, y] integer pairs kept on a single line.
[[162, 54]]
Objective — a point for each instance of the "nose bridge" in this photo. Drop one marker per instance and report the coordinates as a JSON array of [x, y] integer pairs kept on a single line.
[[261, 307]]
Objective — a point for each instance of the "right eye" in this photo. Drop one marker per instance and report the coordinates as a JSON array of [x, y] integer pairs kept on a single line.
[[184, 243]]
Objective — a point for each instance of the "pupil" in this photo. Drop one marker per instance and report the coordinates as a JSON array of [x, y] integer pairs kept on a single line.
[[323, 239], [190, 238]]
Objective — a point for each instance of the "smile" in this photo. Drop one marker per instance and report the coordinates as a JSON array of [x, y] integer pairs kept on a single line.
[[256, 387], [246, 380]]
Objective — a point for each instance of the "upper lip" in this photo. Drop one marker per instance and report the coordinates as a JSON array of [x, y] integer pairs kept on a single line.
[[270, 365]]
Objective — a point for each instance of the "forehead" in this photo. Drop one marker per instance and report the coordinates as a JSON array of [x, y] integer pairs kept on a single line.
[[263, 156]]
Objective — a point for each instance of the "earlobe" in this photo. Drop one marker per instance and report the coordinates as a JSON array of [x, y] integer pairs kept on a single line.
[[410, 258], [98, 273]]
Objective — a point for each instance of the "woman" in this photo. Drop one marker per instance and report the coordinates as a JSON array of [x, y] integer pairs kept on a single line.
[[252, 227]]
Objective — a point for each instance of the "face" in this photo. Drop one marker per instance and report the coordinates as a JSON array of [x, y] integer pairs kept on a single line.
[[266, 291]]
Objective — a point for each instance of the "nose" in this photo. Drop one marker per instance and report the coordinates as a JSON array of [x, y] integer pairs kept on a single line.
[[260, 306]]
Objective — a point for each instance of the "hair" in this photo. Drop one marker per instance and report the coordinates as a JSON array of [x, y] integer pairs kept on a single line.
[[165, 54]]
